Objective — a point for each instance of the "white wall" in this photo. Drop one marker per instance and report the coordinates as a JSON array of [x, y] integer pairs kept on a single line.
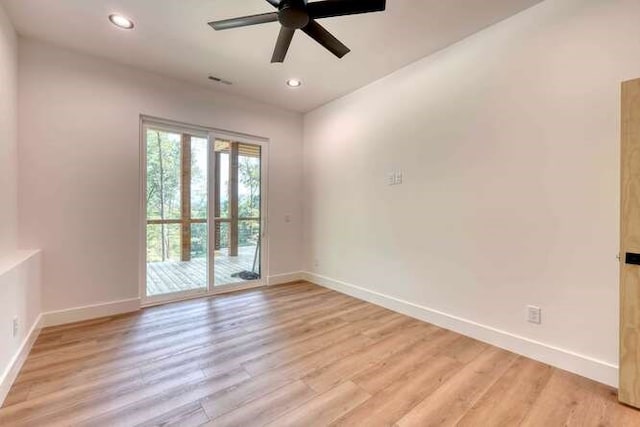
[[8, 135], [19, 270], [19, 299], [79, 167], [509, 145]]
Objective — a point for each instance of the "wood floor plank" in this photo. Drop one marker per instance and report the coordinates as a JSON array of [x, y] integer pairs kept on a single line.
[[305, 364], [296, 354], [230, 354], [268, 407], [263, 361], [558, 400], [335, 373], [379, 376], [325, 408], [464, 349], [571, 400], [446, 405], [509, 400], [55, 408], [315, 343], [391, 403], [166, 403], [189, 415], [69, 397], [17, 394], [148, 402], [82, 385], [230, 398]]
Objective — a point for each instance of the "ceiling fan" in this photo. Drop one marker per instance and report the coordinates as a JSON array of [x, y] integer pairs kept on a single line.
[[300, 15]]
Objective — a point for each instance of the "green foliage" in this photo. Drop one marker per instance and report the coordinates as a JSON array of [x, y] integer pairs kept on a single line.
[[199, 178], [198, 240], [163, 194], [248, 200]]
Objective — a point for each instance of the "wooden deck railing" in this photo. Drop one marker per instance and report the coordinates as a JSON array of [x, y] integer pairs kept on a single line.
[[186, 224]]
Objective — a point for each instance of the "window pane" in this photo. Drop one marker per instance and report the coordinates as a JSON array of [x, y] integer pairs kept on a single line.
[[166, 273], [248, 232], [248, 185], [198, 178], [163, 242], [222, 183], [176, 249], [163, 175], [237, 257], [199, 240], [222, 235]]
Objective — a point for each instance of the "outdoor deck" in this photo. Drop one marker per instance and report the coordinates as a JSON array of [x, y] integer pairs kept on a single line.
[[174, 276]]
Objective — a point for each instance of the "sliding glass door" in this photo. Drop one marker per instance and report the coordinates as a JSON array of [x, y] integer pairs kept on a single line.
[[237, 205], [176, 206], [203, 213]]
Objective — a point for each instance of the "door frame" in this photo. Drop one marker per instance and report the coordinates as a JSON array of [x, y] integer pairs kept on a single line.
[[211, 134]]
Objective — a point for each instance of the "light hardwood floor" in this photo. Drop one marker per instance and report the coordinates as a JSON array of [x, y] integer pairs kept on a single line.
[[297, 355]]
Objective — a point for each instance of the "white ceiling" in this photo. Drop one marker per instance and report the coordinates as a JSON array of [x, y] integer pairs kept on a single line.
[[172, 38]]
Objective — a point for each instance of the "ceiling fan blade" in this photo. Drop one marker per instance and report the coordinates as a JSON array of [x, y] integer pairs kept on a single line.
[[244, 21], [326, 39], [328, 8], [282, 45], [274, 3]]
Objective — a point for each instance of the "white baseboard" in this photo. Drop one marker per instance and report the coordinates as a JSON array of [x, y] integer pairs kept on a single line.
[[568, 360], [15, 364], [279, 279], [77, 314]]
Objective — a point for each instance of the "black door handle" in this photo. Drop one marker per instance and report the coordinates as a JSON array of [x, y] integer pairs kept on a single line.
[[631, 258]]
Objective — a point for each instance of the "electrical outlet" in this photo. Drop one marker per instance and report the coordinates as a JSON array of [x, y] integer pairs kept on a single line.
[[534, 314], [16, 326]]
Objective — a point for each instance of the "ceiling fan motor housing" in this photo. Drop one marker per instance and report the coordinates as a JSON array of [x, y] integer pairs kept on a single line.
[[293, 14]]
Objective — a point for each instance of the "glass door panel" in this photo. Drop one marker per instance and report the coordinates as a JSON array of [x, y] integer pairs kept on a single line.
[[237, 204], [176, 201]]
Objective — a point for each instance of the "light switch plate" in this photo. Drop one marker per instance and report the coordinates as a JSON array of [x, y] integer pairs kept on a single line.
[[398, 178]]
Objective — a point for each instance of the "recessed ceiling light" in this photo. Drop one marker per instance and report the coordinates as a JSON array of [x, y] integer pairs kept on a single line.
[[294, 83], [121, 22]]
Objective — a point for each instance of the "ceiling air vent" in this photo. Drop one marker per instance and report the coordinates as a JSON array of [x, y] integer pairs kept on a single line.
[[219, 80]]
